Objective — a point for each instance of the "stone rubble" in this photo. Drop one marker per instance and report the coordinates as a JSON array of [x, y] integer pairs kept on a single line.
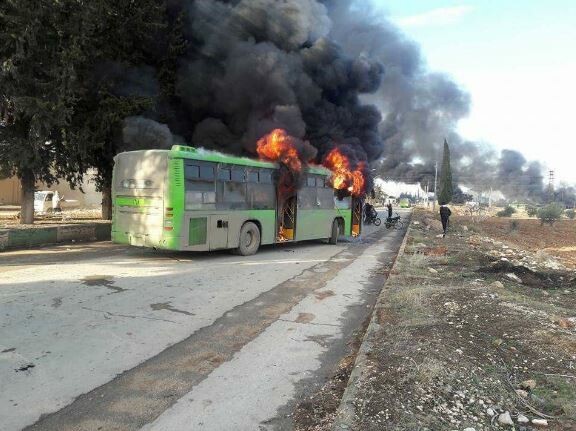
[[505, 419]]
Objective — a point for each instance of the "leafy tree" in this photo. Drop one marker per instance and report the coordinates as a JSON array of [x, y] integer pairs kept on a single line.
[[506, 212], [571, 214], [446, 186], [550, 213], [532, 211], [119, 79], [37, 86]]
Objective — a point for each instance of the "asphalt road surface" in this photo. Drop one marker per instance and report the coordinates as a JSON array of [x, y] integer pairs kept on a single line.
[[105, 337]]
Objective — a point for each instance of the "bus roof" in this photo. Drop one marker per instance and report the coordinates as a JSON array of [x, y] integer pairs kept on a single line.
[[185, 152]]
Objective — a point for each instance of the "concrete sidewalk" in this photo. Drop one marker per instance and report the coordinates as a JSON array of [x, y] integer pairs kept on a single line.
[[22, 238], [345, 416]]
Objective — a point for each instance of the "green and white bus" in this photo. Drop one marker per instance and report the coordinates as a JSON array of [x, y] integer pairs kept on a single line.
[[193, 199]]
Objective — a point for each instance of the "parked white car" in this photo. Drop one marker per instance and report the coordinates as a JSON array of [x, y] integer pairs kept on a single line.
[[43, 202]]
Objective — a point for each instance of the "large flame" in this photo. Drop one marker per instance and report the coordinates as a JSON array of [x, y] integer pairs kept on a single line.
[[277, 146], [343, 176]]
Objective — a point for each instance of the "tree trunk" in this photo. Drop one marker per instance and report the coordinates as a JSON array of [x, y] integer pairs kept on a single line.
[[28, 183], [107, 203]]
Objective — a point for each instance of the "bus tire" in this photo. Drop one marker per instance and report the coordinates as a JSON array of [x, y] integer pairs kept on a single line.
[[335, 232], [249, 240]]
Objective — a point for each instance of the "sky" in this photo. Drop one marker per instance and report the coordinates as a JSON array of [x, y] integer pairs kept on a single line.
[[516, 58]]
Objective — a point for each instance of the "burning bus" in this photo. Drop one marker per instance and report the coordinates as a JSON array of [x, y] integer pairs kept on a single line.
[[193, 199]]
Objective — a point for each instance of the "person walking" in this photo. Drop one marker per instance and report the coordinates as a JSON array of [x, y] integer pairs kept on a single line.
[[445, 214]]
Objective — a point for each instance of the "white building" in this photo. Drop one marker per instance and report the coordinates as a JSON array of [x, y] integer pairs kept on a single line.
[[397, 188]]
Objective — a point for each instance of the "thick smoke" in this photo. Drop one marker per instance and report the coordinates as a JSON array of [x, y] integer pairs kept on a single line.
[[140, 133], [252, 66], [256, 65], [329, 72], [421, 108]]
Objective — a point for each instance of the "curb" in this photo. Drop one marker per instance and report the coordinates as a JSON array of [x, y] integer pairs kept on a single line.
[[18, 239], [346, 411]]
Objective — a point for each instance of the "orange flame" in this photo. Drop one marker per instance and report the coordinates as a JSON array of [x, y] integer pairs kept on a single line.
[[277, 146], [282, 237], [343, 177]]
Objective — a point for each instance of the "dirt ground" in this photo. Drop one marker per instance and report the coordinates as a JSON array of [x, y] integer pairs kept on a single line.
[[10, 219], [477, 331], [558, 240]]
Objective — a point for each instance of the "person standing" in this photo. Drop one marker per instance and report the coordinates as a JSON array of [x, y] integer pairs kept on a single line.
[[368, 213], [389, 206], [56, 208], [445, 214]]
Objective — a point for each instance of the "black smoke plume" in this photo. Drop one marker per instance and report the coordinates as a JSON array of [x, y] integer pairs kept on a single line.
[[330, 72], [420, 109]]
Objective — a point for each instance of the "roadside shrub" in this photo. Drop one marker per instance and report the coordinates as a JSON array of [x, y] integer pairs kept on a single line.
[[532, 211], [506, 212], [571, 214], [550, 213]]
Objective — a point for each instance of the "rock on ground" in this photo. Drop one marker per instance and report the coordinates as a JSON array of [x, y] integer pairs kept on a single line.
[[505, 419]]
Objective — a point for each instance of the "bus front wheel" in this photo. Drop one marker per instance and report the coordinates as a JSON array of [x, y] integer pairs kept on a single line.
[[249, 239], [335, 232]]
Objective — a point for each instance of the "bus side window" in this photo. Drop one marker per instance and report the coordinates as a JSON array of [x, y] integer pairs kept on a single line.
[[207, 172], [224, 174], [200, 190], [307, 198], [191, 171], [238, 175], [252, 176], [266, 176], [234, 191], [261, 196], [325, 198]]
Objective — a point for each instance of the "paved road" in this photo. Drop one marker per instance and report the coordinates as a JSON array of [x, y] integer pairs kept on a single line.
[[103, 337]]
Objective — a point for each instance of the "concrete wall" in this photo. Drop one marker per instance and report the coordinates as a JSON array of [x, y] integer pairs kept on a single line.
[[34, 237], [10, 192]]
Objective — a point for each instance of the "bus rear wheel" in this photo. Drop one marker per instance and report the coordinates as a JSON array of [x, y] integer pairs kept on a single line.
[[335, 232], [249, 240]]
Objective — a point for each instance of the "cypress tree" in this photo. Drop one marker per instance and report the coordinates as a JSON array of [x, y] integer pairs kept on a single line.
[[446, 187]]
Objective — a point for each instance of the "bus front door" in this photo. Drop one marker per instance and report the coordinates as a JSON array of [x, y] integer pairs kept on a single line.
[[356, 216], [218, 232], [287, 220]]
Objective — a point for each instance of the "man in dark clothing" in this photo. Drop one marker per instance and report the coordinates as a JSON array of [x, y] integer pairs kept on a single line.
[[369, 213], [445, 214], [389, 206]]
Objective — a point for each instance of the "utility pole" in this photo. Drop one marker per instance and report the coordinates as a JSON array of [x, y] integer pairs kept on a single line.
[[435, 184], [551, 185]]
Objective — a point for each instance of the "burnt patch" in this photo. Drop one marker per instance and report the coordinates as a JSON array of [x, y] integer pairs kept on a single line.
[[529, 277], [168, 307], [102, 281], [26, 367], [305, 318], [324, 294]]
